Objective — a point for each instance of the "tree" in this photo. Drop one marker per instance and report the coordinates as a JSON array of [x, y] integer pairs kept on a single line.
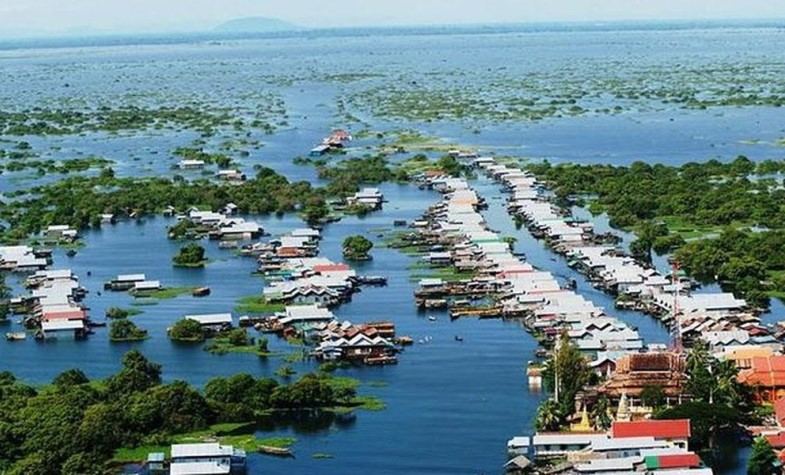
[[600, 414], [706, 420], [5, 294], [137, 374], [190, 255], [70, 377], [187, 330], [567, 372], [653, 396], [356, 248], [126, 330], [763, 460], [238, 337], [549, 416]]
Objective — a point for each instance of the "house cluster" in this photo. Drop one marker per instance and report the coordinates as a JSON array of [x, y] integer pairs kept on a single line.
[[649, 446], [53, 307], [295, 275], [718, 318], [133, 283], [370, 198], [457, 235], [210, 458], [59, 233], [23, 259], [370, 343], [224, 225], [337, 140]]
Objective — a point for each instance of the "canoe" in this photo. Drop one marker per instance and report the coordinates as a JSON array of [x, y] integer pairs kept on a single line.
[[201, 292], [277, 451]]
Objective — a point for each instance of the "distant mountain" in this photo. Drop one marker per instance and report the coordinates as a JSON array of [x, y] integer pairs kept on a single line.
[[255, 25]]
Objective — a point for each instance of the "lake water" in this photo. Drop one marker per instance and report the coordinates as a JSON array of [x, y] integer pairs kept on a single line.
[[450, 406]]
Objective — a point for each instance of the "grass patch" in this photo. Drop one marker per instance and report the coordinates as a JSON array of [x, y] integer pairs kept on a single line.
[[222, 346], [277, 442], [257, 304], [369, 403], [168, 293], [223, 432]]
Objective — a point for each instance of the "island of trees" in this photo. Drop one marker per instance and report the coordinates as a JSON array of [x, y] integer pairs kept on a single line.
[[357, 248], [76, 426], [191, 255]]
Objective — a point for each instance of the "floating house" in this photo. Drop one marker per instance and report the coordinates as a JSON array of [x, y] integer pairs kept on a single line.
[[124, 282], [60, 232], [206, 459], [191, 164], [369, 197], [213, 321], [21, 259], [230, 175]]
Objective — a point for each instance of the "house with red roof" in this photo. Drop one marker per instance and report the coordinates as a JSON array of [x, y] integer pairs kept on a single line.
[[766, 375], [682, 461], [676, 431]]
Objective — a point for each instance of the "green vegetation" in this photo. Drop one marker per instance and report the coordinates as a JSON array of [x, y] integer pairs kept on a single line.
[[237, 340], [187, 331], [5, 295], [219, 159], [420, 163], [117, 312], [125, 330], [64, 167], [346, 176], [357, 248], [80, 201], [751, 264], [191, 255], [675, 209], [600, 86], [763, 460], [565, 373], [161, 294], [256, 304], [76, 426], [278, 442], [186, 229], [720, 403], [40, 121]]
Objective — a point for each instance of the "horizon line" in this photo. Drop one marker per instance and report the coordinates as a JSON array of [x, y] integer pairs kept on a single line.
[[66, 35]]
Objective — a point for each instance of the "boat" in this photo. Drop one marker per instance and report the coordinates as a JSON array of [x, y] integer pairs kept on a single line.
[[201, 292], [277, 451], [432, 318], [381, 360], [404, 340], [458, 338], [70, 253], [15, 336]]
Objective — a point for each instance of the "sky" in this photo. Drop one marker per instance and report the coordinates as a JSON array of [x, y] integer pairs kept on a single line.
[[53, 17]]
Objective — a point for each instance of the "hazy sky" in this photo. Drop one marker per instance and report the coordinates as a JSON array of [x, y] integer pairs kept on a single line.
[[23, 17]]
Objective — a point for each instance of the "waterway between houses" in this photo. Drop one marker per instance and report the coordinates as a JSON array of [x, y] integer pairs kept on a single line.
[[451, 406]]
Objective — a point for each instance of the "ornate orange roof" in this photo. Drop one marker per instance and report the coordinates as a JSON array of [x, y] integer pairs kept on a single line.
[[765, 371]]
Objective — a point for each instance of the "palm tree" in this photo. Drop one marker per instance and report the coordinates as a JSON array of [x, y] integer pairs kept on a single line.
[[549, 416], [600, 414]]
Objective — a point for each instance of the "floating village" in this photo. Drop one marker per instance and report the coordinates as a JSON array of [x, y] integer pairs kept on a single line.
[[495, 283], [481, 249]]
